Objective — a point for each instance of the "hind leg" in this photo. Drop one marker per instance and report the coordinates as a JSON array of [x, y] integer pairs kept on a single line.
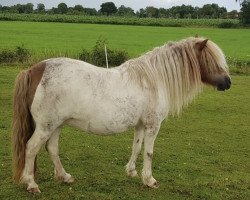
[[33, 146], [52, 148]]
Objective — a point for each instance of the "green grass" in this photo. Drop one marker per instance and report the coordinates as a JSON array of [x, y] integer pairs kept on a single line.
[[203, 154], [46, 38]]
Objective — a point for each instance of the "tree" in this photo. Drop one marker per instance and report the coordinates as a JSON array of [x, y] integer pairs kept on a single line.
[[245, 13], [182, 11], [76, 10], [28, 8], [222, 12], [90, 11], [196, 13], [53, 10], [108, 8], [207, 11], [213, 11], [62, 8], [185, 11], [18, 7], [233, 14], [163, 12], [5, 9], [79, 8], [141, 13], [40, 8], [152, 12], [125, 11]]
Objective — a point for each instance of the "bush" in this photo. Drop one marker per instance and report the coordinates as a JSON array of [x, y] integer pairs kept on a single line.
[[7, 56], [22, 54], [84, 55], [19, 54], [116, 58], [97, 55], [237, 66], [227, 25]]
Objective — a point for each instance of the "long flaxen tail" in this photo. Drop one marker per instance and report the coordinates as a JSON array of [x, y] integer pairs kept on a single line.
[[23, 125]]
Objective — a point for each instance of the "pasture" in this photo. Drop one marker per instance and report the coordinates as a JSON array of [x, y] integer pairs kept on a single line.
[[203, 154], [44, 39]]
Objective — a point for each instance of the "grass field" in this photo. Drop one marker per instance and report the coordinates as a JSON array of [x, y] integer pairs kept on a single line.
[[203, 154], [46, 38]]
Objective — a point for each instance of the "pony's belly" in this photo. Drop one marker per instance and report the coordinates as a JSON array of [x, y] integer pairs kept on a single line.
[[108, 117], [99, 127]]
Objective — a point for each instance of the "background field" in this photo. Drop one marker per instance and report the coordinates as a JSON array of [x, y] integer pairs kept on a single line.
[[46, 38], [126, 20], [204, 154]]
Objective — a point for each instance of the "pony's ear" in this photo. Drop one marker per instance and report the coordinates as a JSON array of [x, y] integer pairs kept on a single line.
[[202, 44]]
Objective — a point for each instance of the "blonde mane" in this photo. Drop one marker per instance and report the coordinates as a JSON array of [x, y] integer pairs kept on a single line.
[[175, 67]]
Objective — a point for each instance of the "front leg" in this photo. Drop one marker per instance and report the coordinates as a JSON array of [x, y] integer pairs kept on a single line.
[[150, 135], [138, 138]]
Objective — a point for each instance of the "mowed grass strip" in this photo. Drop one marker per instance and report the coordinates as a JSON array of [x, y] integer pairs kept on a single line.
[[53, 39], [203, 154]]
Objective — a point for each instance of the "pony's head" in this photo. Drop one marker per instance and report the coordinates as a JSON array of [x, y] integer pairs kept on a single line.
[[213, 66]]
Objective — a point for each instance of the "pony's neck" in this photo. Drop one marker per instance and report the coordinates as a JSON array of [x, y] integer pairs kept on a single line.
[[172, 68]]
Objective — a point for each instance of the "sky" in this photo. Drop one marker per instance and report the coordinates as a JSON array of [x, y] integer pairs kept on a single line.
[[135, 4]]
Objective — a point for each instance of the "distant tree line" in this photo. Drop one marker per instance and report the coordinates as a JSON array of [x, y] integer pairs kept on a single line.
[[245, 12], [109, 8]]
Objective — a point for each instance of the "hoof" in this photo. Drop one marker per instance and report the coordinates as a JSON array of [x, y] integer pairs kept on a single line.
[[70, 180], [132, 173], [151, 182], [34, 190], [154, 185], [67, 178]]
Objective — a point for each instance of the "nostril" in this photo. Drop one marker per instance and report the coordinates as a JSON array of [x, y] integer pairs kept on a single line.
[[228, 82]]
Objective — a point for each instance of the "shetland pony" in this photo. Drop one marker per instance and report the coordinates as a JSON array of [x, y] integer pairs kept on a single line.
[[140, 93]]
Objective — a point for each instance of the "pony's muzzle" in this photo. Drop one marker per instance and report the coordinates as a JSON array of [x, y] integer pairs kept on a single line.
[[224, 84]]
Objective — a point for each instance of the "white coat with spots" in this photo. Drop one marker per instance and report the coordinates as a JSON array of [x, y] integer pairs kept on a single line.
[[140, 93]]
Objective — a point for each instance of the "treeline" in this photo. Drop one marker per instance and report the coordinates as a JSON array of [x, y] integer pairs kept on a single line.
[[109, 8]]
